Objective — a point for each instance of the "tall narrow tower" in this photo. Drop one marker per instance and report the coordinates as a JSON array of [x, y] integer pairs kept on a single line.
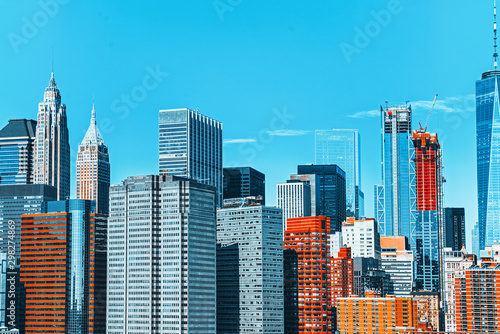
[[92, 168], [488, 151], [52, 154], [429, 227], [395, 199]]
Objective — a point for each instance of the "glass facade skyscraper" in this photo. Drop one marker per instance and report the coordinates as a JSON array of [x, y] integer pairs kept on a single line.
[[17, 200], [257, 233], [62, 268], [191, 146], [17, 141], [488, 157], [395, 199], [244, 182], [454, 219], [161, 256], [342, 148], [332, 192]]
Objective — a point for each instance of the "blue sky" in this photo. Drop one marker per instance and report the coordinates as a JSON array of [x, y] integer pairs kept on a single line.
[[272, 72]]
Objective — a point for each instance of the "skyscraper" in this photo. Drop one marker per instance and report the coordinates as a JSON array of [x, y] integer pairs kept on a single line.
[[161, 256], [308, 239], [92, 168], [313, 181], [342, 148], [52, 154], [488, 152], [17, 200], [62, 269], [429, 228], [259, 277], [191, 146], [17, 141], [294, 198], [332, 192], [395, 199], [454, 229], [244, 182], [362, 237]]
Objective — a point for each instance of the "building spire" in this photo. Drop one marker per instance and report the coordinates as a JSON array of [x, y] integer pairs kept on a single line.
[[93, 119], [495, 54]]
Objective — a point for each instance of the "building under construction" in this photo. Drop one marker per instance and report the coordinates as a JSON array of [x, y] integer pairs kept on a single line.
[[428, 228]]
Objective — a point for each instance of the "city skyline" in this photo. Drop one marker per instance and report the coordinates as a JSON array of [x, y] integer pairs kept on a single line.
[[282, 99]]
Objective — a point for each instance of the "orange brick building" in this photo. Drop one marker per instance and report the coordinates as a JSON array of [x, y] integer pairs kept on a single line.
[[63, 268], [373, 314], [477, 299], [341, 270], [307, 239]]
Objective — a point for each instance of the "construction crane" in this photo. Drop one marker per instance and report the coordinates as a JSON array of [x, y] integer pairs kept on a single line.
[[428, 117]]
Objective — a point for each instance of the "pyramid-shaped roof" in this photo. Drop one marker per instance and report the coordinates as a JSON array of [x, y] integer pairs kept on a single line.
[[93, 136]]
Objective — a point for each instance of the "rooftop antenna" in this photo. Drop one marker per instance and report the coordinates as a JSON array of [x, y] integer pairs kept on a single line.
[[53, 61], [495, 54]]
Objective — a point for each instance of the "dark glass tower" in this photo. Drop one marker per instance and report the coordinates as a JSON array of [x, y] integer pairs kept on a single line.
[[454, 228], [244, 182], [332, 192]]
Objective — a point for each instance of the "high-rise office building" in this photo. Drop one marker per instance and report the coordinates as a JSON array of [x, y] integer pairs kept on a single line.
[[308, 239], [256, 304], [52, 154], [361, 236], [191, 146], [17, 200], [342, 148], [398, 262], [313, 181], [62, 268], [488, 153], [332, 184], [294, 198], [454, 229], [17, 140], [429, 227], [161, 256], [395, 199], [454, 262], [375, 314], [244, 182], [92, 168]]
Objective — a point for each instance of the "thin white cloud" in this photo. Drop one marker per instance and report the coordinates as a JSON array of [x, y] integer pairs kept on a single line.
[[451, 104], [365, 114], [239, 141], [287, 133]]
